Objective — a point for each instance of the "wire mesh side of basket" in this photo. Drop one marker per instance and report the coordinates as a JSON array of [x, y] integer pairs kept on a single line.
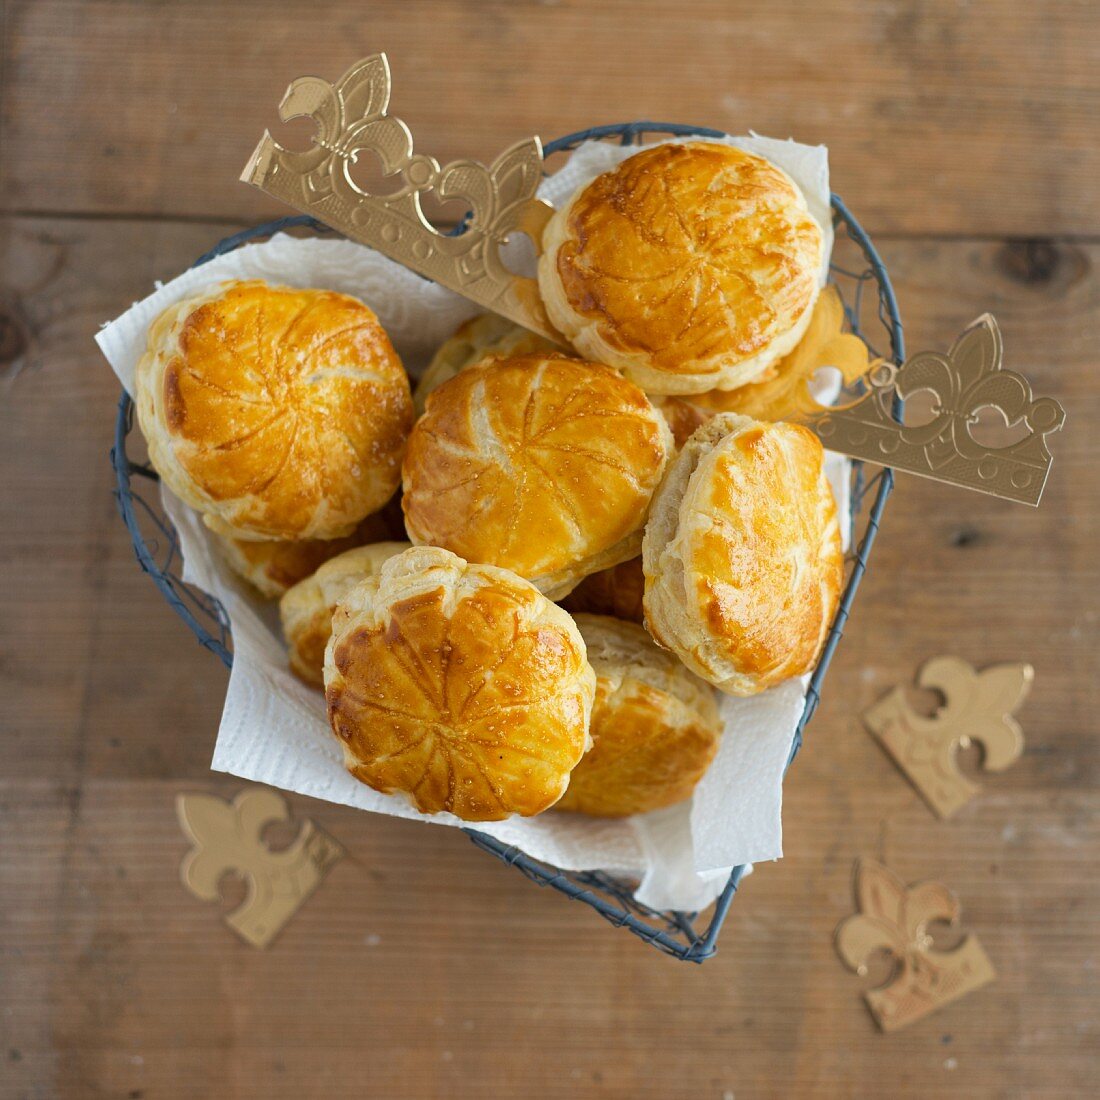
[[676, 933]]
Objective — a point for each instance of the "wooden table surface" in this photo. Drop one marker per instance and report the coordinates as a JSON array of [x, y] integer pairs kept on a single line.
[[964, 135]]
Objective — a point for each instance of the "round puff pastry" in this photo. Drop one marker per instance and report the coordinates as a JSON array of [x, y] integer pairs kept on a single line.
[[460, 686], [655, 726], [689, 266], [306, 609], [474, 340], [273, 567], [742, 555], [277, 413], [540, 464], [616, 591]]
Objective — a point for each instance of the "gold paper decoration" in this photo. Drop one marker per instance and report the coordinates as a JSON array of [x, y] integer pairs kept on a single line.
[[977, 707], [226, 837], [352, 120], [966, 380], [895, 918], [785, 394]]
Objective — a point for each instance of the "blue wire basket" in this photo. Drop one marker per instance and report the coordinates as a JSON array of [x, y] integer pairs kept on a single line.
[[855, 271]]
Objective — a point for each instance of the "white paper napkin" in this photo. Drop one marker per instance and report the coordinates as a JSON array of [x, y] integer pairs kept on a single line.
[[273, 727]]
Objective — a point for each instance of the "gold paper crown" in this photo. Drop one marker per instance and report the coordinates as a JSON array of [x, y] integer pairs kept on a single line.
[[966, 380], [352, 118]]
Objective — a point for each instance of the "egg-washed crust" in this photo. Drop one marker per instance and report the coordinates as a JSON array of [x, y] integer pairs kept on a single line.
[[655, 726], [274, 566], [783, 392], [459, 686], [277, 413], [480, 337], [306, 609], [541, 464], [742, 555], [490, 336], [617, 591], [690, 266]]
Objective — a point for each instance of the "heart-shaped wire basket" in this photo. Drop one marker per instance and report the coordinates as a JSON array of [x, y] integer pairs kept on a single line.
[[871, 310]]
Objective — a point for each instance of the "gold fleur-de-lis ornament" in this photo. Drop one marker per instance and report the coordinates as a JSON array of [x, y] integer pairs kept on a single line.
[[226, 837], [977, 708], [894, 918]]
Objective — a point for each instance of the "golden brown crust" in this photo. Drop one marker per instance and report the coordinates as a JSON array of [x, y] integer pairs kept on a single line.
[[689, 267], [617, 591], [540, 464], [742, 555], [480, 337], [306, 609], [655, 726], [783, 393], [273, 567], [278, 413], [459, 686], [492, 336]]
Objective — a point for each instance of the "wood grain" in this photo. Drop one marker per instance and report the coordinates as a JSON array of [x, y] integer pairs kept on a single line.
[[941, 117], [422, 967]]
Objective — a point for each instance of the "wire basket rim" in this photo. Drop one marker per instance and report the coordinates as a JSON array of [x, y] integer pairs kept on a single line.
[[581, 885]]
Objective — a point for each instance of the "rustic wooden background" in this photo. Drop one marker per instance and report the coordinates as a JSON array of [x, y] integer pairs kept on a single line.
[[964, 134]]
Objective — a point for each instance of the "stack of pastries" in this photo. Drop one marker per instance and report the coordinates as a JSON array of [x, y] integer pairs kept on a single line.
[[526, 585]]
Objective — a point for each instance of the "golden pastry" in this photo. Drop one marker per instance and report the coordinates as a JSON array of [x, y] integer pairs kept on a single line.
[[492, 336], [655, 726], [783, 394], [486, 335], [459, 686], [306, 609], [742, 556], [540, 464], [616, 591], [277, 413], [689, 267], [273, 567]]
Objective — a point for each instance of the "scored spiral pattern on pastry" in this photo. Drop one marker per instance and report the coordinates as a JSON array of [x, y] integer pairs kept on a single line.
[[541, 464], [459, 685], [278, 413], [487, 334], [689, 267]]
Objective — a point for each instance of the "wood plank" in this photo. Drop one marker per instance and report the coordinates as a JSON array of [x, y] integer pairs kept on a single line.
[[478, 983], [941, 118]]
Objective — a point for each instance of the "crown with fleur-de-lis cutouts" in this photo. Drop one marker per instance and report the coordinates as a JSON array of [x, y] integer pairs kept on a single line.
[[353, 121]]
